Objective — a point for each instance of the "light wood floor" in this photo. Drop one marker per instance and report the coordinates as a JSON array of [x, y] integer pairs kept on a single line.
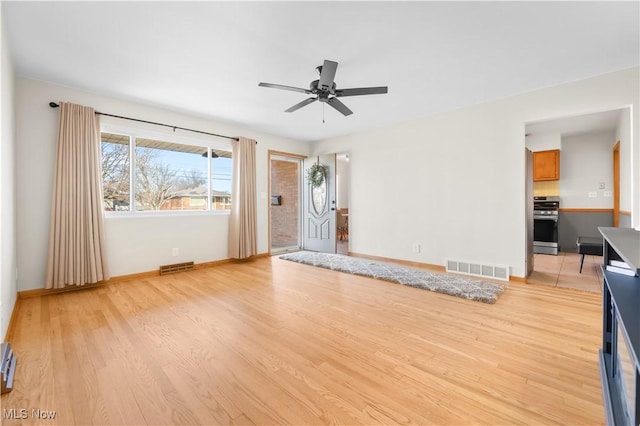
[[276, 342]]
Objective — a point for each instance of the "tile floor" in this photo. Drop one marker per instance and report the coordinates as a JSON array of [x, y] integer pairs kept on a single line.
[[564, 271], [343, 247]]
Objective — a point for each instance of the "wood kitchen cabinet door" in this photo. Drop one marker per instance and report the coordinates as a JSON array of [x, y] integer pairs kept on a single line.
[[546, 165]]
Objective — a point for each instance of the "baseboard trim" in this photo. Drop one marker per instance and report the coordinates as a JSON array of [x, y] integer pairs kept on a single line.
[[517, 279], [399, 261], [122, 278], [12, 321], [25, 294]]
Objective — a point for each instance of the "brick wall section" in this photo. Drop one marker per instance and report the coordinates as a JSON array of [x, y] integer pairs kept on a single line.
[[284, 218]]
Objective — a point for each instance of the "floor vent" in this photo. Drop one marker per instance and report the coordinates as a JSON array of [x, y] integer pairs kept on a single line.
[[496, 272], [176, 267]]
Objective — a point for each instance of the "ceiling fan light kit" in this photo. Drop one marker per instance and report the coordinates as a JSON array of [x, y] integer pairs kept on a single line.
[[324, 90]]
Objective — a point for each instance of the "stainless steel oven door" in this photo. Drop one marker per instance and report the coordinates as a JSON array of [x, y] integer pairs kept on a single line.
[[545, 234]]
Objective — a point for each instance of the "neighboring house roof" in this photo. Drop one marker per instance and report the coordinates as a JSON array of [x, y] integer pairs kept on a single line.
[[200, 191]]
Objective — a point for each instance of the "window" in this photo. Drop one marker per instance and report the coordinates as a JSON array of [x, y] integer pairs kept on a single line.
[[115, 172], [167, 175]]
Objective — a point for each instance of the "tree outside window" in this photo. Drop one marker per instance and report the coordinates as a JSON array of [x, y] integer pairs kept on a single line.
[[167, 176]]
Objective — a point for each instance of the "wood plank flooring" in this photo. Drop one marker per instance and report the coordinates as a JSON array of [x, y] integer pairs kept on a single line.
[[276, 342]]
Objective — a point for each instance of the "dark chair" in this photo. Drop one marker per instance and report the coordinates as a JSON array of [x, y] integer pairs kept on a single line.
[[589, 245]]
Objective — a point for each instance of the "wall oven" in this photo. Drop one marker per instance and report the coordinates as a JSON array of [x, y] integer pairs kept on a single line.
[[545, 225]]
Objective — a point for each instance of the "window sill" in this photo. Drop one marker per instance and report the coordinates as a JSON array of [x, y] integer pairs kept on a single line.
[[165, 213]]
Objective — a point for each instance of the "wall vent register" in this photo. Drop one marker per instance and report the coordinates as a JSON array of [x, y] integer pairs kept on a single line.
[[7, 372], [176, 267], [498, 272]]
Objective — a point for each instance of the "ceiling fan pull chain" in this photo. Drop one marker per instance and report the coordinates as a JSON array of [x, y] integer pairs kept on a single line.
[[323, 113]]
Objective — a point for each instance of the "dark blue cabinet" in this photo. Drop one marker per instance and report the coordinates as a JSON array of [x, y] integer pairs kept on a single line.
[[619, 366]]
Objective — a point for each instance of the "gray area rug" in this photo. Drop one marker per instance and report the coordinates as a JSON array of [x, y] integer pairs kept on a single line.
[[455, 286]]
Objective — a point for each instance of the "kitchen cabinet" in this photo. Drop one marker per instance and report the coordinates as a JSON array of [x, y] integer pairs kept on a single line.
[[546, 165]]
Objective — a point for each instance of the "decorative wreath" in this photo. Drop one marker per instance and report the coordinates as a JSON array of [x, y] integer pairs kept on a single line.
[[315, 175]]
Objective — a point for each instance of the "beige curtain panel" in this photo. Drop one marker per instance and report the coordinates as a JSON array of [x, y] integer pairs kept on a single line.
[[242, 221], [76, 239]]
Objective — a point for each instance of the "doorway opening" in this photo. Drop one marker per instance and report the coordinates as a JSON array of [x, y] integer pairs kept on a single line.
[[285, 202], [342, 202], [591, 192]]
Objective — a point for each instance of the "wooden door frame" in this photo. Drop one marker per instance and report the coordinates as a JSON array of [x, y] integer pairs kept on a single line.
[[271, 153], [616, 184]]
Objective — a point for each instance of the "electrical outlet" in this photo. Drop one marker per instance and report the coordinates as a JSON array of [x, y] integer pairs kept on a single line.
[[416, 248], [593, 194], [601, 185], [175, 252], [608, 193]]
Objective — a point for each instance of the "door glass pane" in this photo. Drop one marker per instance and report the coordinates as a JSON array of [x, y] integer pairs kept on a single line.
[[319, 197]]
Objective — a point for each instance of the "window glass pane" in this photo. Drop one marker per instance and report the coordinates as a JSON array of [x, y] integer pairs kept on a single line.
[[170, 176], [115, 171], [221, 165]]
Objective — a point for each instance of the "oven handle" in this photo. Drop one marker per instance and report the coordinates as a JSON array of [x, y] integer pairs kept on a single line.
[[554, 218]]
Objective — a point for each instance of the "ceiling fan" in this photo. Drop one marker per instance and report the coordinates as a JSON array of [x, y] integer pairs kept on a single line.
[[324, 90]]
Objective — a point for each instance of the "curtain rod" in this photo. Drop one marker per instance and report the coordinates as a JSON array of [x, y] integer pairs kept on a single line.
[[55, 105]]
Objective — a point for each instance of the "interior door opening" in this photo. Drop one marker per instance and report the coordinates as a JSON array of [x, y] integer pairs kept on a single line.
[[342, 203], [593, 187], [285, 202]]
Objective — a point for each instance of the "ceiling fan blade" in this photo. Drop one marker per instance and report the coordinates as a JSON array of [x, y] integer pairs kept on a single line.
[[280, 86], [362, 91], [301, 104], [327, 75], [335, 102]]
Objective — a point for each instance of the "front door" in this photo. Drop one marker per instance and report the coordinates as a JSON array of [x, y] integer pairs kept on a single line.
[[319, 206]]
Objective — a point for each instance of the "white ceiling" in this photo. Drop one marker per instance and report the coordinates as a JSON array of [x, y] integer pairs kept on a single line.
[[207, 58]]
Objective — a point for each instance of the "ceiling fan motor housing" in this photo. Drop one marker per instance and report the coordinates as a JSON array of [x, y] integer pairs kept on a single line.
[[319, 90]]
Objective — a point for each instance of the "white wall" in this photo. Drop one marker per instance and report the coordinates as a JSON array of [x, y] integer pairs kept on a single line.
[[458, 178], [543, 141], [8, 282], [586, 161], [133, 244], [623, 134], [342, 178]]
